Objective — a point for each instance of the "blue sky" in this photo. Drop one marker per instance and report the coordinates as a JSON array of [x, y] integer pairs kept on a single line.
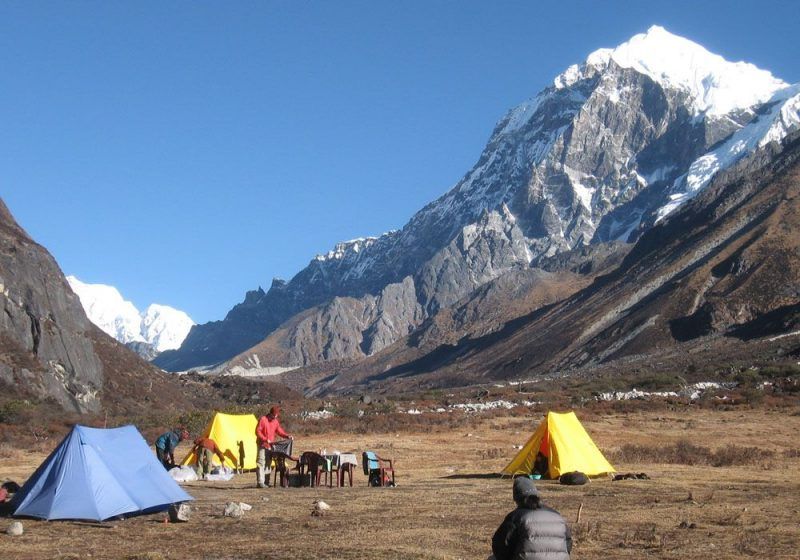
[[186, 152]]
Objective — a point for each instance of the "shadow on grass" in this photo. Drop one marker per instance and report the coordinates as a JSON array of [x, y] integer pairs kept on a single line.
[[473, 476]]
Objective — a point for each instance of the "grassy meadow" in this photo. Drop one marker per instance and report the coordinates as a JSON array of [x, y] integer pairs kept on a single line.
[[448, 502]]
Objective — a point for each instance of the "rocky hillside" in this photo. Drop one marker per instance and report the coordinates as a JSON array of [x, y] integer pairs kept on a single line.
[[722, 270], [611, 148], [50, 351]]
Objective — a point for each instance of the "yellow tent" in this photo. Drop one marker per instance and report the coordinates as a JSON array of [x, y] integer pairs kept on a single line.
[[227, 430], [562, 439]]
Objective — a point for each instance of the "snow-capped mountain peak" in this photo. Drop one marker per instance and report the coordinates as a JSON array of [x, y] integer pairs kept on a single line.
[[165, 327], [619, 142], [715, 85], [107, 309], [161, 326]]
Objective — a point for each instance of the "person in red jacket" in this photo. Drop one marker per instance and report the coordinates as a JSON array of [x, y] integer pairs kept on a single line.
[[269, 427]]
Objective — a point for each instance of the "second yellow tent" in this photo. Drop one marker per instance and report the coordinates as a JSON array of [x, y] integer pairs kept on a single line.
[[229, 431], [563, 440]]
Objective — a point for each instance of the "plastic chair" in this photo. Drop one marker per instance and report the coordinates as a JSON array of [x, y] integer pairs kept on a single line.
[[277, 456], [346, 470], [315, 465], [377, 469]]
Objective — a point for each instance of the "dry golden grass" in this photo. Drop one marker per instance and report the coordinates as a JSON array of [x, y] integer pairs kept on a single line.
[[446, 507]]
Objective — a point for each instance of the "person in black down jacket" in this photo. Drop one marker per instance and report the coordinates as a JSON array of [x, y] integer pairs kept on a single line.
[[533, 531]]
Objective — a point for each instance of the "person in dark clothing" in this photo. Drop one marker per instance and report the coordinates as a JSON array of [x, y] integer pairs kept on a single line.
[[533, 531], [166, 444], [540, 465]]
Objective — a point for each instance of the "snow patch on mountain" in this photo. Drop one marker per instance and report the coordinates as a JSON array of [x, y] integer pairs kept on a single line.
[[342, 249], [521, 114], [161, 326], [782, 117], [583, 192]]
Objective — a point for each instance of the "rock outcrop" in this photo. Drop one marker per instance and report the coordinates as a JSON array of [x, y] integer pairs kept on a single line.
[[45, 344], [49, 350]]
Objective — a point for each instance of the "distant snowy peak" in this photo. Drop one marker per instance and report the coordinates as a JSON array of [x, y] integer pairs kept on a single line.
[[161, 326], [165, 327], [107, 309], [715, 85]]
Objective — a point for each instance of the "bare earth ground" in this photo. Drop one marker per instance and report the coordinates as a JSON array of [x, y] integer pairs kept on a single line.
[[446, 506]]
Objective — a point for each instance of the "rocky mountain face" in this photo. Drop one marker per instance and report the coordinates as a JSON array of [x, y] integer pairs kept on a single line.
[[721, 270], [48, 347], [45, 346], [614, 146]]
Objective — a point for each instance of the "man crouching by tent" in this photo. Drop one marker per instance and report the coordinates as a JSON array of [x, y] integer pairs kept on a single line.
[[166, 444], [268, 428], [533, 531]]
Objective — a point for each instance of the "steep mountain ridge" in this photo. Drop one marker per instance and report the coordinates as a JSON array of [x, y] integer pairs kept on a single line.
[[724, 267], [594, 158]]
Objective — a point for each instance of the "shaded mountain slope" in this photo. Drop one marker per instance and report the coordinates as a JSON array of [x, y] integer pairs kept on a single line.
[[481, 313], [723, 265]]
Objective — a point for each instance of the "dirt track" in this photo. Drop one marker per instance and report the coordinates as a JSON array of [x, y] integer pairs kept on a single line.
[[447, 505]]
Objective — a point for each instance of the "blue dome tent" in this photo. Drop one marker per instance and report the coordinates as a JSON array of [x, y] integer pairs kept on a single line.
[[96, 474]]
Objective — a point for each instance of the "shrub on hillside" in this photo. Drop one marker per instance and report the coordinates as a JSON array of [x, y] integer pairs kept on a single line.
[[8, 451], [735, 455], [14, 411], [685, 452]]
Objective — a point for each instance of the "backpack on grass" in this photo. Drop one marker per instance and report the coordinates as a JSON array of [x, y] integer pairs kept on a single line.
[[575, 478]]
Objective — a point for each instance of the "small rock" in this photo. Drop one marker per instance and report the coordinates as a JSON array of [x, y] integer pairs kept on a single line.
[[233, 509], [320, 508], [15, 529]]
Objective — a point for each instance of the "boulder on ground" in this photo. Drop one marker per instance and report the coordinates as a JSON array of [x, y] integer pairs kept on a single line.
[[179, 513], [15, 529]]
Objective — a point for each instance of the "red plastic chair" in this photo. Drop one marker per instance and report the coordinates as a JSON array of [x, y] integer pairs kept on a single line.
[[315, 465]]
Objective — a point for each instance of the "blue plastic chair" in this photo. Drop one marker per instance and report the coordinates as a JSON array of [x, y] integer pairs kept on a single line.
[[377, 469]]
